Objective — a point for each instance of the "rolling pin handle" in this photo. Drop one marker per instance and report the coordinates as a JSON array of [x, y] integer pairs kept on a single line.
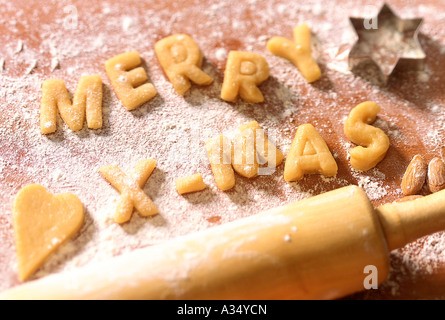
[[405, 222]]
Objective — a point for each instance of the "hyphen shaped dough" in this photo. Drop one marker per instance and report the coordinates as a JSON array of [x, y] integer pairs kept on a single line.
[[190, 184], [42, 222], [244, 72], [87, 101], [181, 59], [252, 146], [373, 142], [128, 80], [298, 52], [219, 151], [309, 154], [131, 191]]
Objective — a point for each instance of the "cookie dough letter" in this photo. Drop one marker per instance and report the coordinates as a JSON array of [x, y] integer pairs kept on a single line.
[[87, 101], [181, 60], [219, 151], [131, 191], [373, 142], [252, 148], [309, 154], [298, 52], [244, 71], [129, 85]]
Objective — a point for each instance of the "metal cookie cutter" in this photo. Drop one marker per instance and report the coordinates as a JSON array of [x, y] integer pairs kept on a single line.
[[385, 43]]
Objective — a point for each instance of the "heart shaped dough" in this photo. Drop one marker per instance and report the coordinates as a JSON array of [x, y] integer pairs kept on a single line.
[[42, 222]]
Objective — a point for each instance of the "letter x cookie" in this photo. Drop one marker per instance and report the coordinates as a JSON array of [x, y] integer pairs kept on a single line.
[[131, 191]]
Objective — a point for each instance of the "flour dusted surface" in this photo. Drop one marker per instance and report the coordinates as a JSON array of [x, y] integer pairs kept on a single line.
[[45, 41]]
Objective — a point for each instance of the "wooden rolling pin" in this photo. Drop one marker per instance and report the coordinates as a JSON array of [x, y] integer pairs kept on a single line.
[[313, 249]]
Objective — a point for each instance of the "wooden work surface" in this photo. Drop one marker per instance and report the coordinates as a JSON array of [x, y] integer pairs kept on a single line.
[[51, 39]]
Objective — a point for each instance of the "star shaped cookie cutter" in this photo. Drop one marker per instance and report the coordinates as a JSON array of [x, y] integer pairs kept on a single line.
[[385, 43]]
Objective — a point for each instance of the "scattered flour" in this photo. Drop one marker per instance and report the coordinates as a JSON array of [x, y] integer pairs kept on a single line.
[[173, 129]]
